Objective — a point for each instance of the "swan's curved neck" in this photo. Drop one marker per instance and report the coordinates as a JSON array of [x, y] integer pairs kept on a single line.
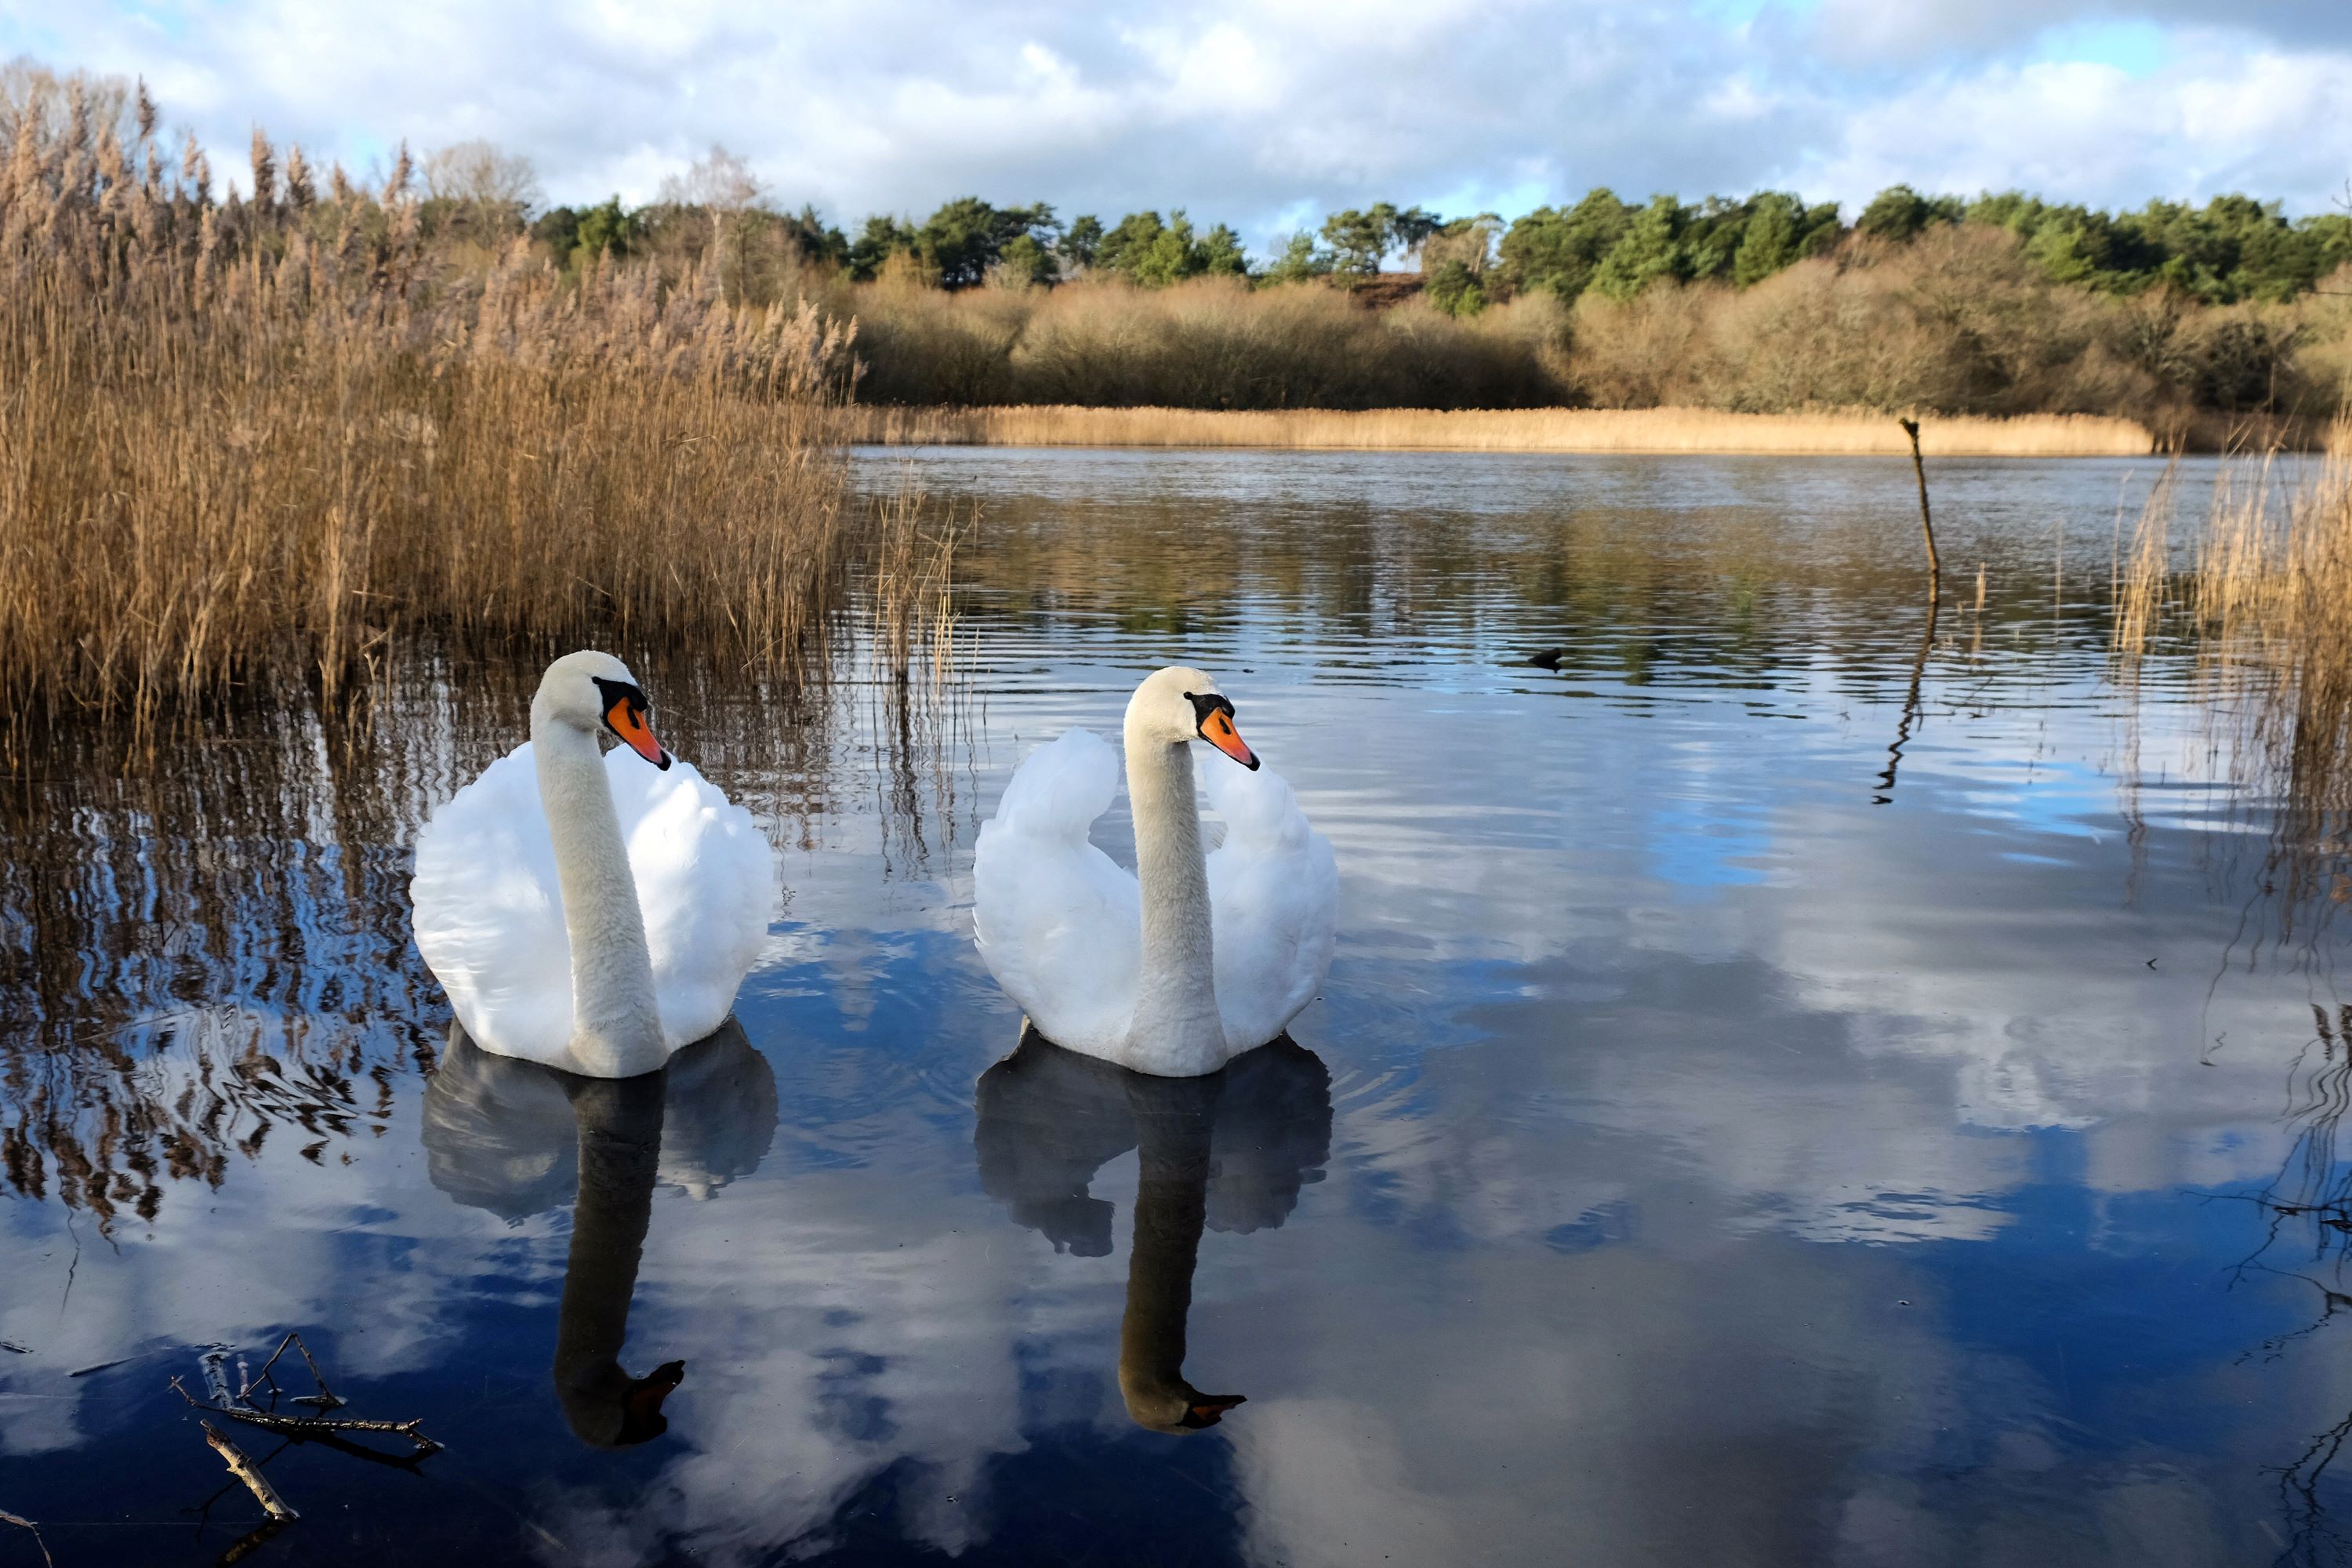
[[1177, 1032], [620, 1151], [1170, 1210], [616, 1023]]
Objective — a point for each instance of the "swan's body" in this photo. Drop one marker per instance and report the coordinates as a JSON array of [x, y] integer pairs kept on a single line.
[[590, 912], [1191, 960]]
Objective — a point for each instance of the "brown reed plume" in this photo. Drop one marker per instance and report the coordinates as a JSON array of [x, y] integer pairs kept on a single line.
[[2266, 612], [911, 587], [275, 434], [2273, 587]]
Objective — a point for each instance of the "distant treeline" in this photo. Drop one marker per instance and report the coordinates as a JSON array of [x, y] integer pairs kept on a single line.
[[2232, 248], [2176, 315]]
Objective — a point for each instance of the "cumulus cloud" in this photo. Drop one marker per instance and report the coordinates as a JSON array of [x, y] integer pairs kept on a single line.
[[1258, 114]]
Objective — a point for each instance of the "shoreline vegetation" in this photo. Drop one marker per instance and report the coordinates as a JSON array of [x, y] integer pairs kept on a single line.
[[271, 428], [248, 445], [2263, 605], [1854, 432]]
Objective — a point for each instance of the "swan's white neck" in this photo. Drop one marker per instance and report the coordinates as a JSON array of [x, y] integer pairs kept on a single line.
[[1172, 1133], [1177, 1032], [616, 1023]]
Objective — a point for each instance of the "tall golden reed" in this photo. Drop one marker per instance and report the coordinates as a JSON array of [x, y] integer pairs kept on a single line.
[[2266, 610], [277, 433], [2274, 590]]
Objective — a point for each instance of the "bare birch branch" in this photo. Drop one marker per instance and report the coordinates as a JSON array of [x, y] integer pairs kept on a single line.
[[246, 1470], [7, 1517]]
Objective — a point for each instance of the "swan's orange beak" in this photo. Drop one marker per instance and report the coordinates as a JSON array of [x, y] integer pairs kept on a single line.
[[627, 720], [1218, 730], [1209, 1409]]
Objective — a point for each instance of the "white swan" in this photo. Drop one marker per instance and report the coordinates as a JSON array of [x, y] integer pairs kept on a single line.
[[590, 913], [1199, 960]]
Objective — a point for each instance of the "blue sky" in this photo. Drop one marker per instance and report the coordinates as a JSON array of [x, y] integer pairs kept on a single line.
[[1269, 112]]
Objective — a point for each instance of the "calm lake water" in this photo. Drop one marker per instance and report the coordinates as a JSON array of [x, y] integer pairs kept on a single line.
[[1798, 1085]]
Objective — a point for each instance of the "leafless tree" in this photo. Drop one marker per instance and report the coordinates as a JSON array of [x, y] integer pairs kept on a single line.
[[484, 178], [720, 180]]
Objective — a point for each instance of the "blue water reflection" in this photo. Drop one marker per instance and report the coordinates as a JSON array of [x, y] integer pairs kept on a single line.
[[1691, 1158]]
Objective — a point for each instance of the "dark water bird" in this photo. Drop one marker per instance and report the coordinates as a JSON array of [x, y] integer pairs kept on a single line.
[[1226, 1151], [517, 1139]]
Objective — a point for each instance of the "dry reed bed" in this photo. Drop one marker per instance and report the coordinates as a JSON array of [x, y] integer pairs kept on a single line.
[[1689, 431], [274, 435], [2266, 609]]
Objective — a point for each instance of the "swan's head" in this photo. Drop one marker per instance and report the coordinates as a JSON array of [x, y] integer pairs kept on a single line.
[[607, 1408], [1179, 706], [591, 691], [1175, 1407]]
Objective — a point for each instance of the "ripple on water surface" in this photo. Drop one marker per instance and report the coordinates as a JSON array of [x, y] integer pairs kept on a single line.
[[1801, 1080]]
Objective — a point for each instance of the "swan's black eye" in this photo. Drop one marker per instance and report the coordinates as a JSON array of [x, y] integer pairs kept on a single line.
[[1205, 705], [612, 691]]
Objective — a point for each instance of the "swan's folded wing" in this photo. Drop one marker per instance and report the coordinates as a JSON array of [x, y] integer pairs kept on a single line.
[[489, 913], [1059, 925], [1274, 902], [707, 884]]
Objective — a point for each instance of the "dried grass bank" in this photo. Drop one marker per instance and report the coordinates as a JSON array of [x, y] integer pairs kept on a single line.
[[272, 437], [1685, 430]]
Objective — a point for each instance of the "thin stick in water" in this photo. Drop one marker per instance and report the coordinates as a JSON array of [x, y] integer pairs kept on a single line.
[[312, 1425], [1926, 524], [246, 1470], [213, 1362], [21, 1523], [324, 1399]]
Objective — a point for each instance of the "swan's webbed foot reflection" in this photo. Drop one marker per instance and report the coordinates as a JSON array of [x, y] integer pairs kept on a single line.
[[1229, 1150], [517, 1139]]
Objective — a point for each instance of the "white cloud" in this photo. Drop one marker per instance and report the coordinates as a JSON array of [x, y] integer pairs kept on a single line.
[[1252, 112]]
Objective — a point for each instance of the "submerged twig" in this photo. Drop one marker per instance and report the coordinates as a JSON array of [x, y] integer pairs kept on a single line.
[[1911, 709], [312, 1425], [246, 1470], [252, 1540], [215, 1379], [21, 1523], [325, 1399]]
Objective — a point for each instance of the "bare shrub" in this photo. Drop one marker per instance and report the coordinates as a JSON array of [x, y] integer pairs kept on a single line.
[[1212, 342], [1957, 321]]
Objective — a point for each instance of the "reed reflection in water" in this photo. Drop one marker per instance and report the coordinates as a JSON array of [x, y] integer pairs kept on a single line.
[[1678, 1112], [198, 952]]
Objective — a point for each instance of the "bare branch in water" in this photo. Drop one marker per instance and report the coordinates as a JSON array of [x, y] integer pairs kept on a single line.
[[214, 1362], [246, 1470], [311, 1425], [7, 1517], [325, 1399]]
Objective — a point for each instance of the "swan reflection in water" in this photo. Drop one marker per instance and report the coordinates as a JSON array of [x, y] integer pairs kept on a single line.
[[517, 1139], [1228, 1151]]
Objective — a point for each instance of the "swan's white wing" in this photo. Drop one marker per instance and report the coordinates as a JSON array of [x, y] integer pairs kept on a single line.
[[489, 908], [1059, 925], [706, 881], [1273, 903], [489, 913]]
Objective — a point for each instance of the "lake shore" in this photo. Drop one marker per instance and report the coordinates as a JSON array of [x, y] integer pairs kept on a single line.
[[1597, 430]]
